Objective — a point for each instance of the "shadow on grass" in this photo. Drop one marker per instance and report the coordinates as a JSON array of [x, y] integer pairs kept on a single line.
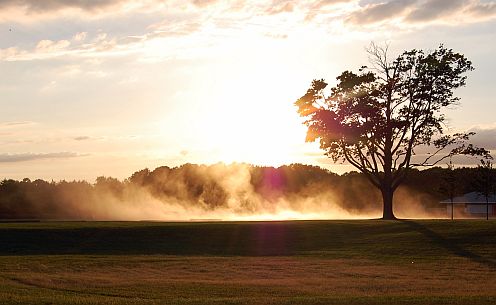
[[448, 244]]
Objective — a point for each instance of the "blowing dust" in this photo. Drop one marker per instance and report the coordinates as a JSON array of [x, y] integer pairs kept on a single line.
[[213, 192]]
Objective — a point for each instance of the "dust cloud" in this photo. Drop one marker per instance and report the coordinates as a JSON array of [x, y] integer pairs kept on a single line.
[[214, 192]]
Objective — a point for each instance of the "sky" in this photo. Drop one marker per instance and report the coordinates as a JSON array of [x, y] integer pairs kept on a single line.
[[109, 87]]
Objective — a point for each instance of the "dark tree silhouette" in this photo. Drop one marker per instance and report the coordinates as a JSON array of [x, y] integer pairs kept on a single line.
[[376, 119], [449, 185], [485, 182]]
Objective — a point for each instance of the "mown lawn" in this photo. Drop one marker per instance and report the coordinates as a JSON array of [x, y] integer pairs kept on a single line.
[[300, 262]]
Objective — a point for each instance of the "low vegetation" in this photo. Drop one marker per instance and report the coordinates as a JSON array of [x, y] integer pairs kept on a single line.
[[304, 262]]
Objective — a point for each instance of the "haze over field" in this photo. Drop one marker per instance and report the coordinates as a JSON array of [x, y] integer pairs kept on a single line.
[[92, 88], [223, 192]]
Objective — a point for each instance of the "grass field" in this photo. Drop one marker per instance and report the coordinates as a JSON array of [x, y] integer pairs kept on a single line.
[[301, 262]]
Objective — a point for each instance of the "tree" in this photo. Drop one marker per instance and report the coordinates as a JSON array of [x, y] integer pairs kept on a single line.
[[378, 118], [449, 184], [485, 182]]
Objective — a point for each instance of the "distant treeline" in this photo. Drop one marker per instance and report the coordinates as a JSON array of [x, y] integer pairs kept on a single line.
[[211, 187]]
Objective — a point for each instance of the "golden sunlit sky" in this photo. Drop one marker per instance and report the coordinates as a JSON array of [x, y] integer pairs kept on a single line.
[[108, 87]]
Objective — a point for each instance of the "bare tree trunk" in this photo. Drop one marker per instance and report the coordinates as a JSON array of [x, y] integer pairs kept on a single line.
[[452, 209], [387, 198], [487, 208]]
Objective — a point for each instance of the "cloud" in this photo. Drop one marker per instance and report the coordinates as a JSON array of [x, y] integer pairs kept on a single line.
[[33, 11], [484, 137], [374, 13], [324, 3], [8, 158], [277, 36], [483, 10], [324, 8], [100, 45], [82, 138], [36, 6], [418, 12], [167, 28], [211, 21], [435, 9], [203, 3], [16, 124], [280, 6], [52, 46], [80, 36]]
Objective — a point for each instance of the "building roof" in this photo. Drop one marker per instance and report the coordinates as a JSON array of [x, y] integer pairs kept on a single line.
[[472, 198]]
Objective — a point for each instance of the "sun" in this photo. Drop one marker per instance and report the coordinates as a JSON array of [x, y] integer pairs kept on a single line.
[[240, 112], [241, 109], [254, 126]]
